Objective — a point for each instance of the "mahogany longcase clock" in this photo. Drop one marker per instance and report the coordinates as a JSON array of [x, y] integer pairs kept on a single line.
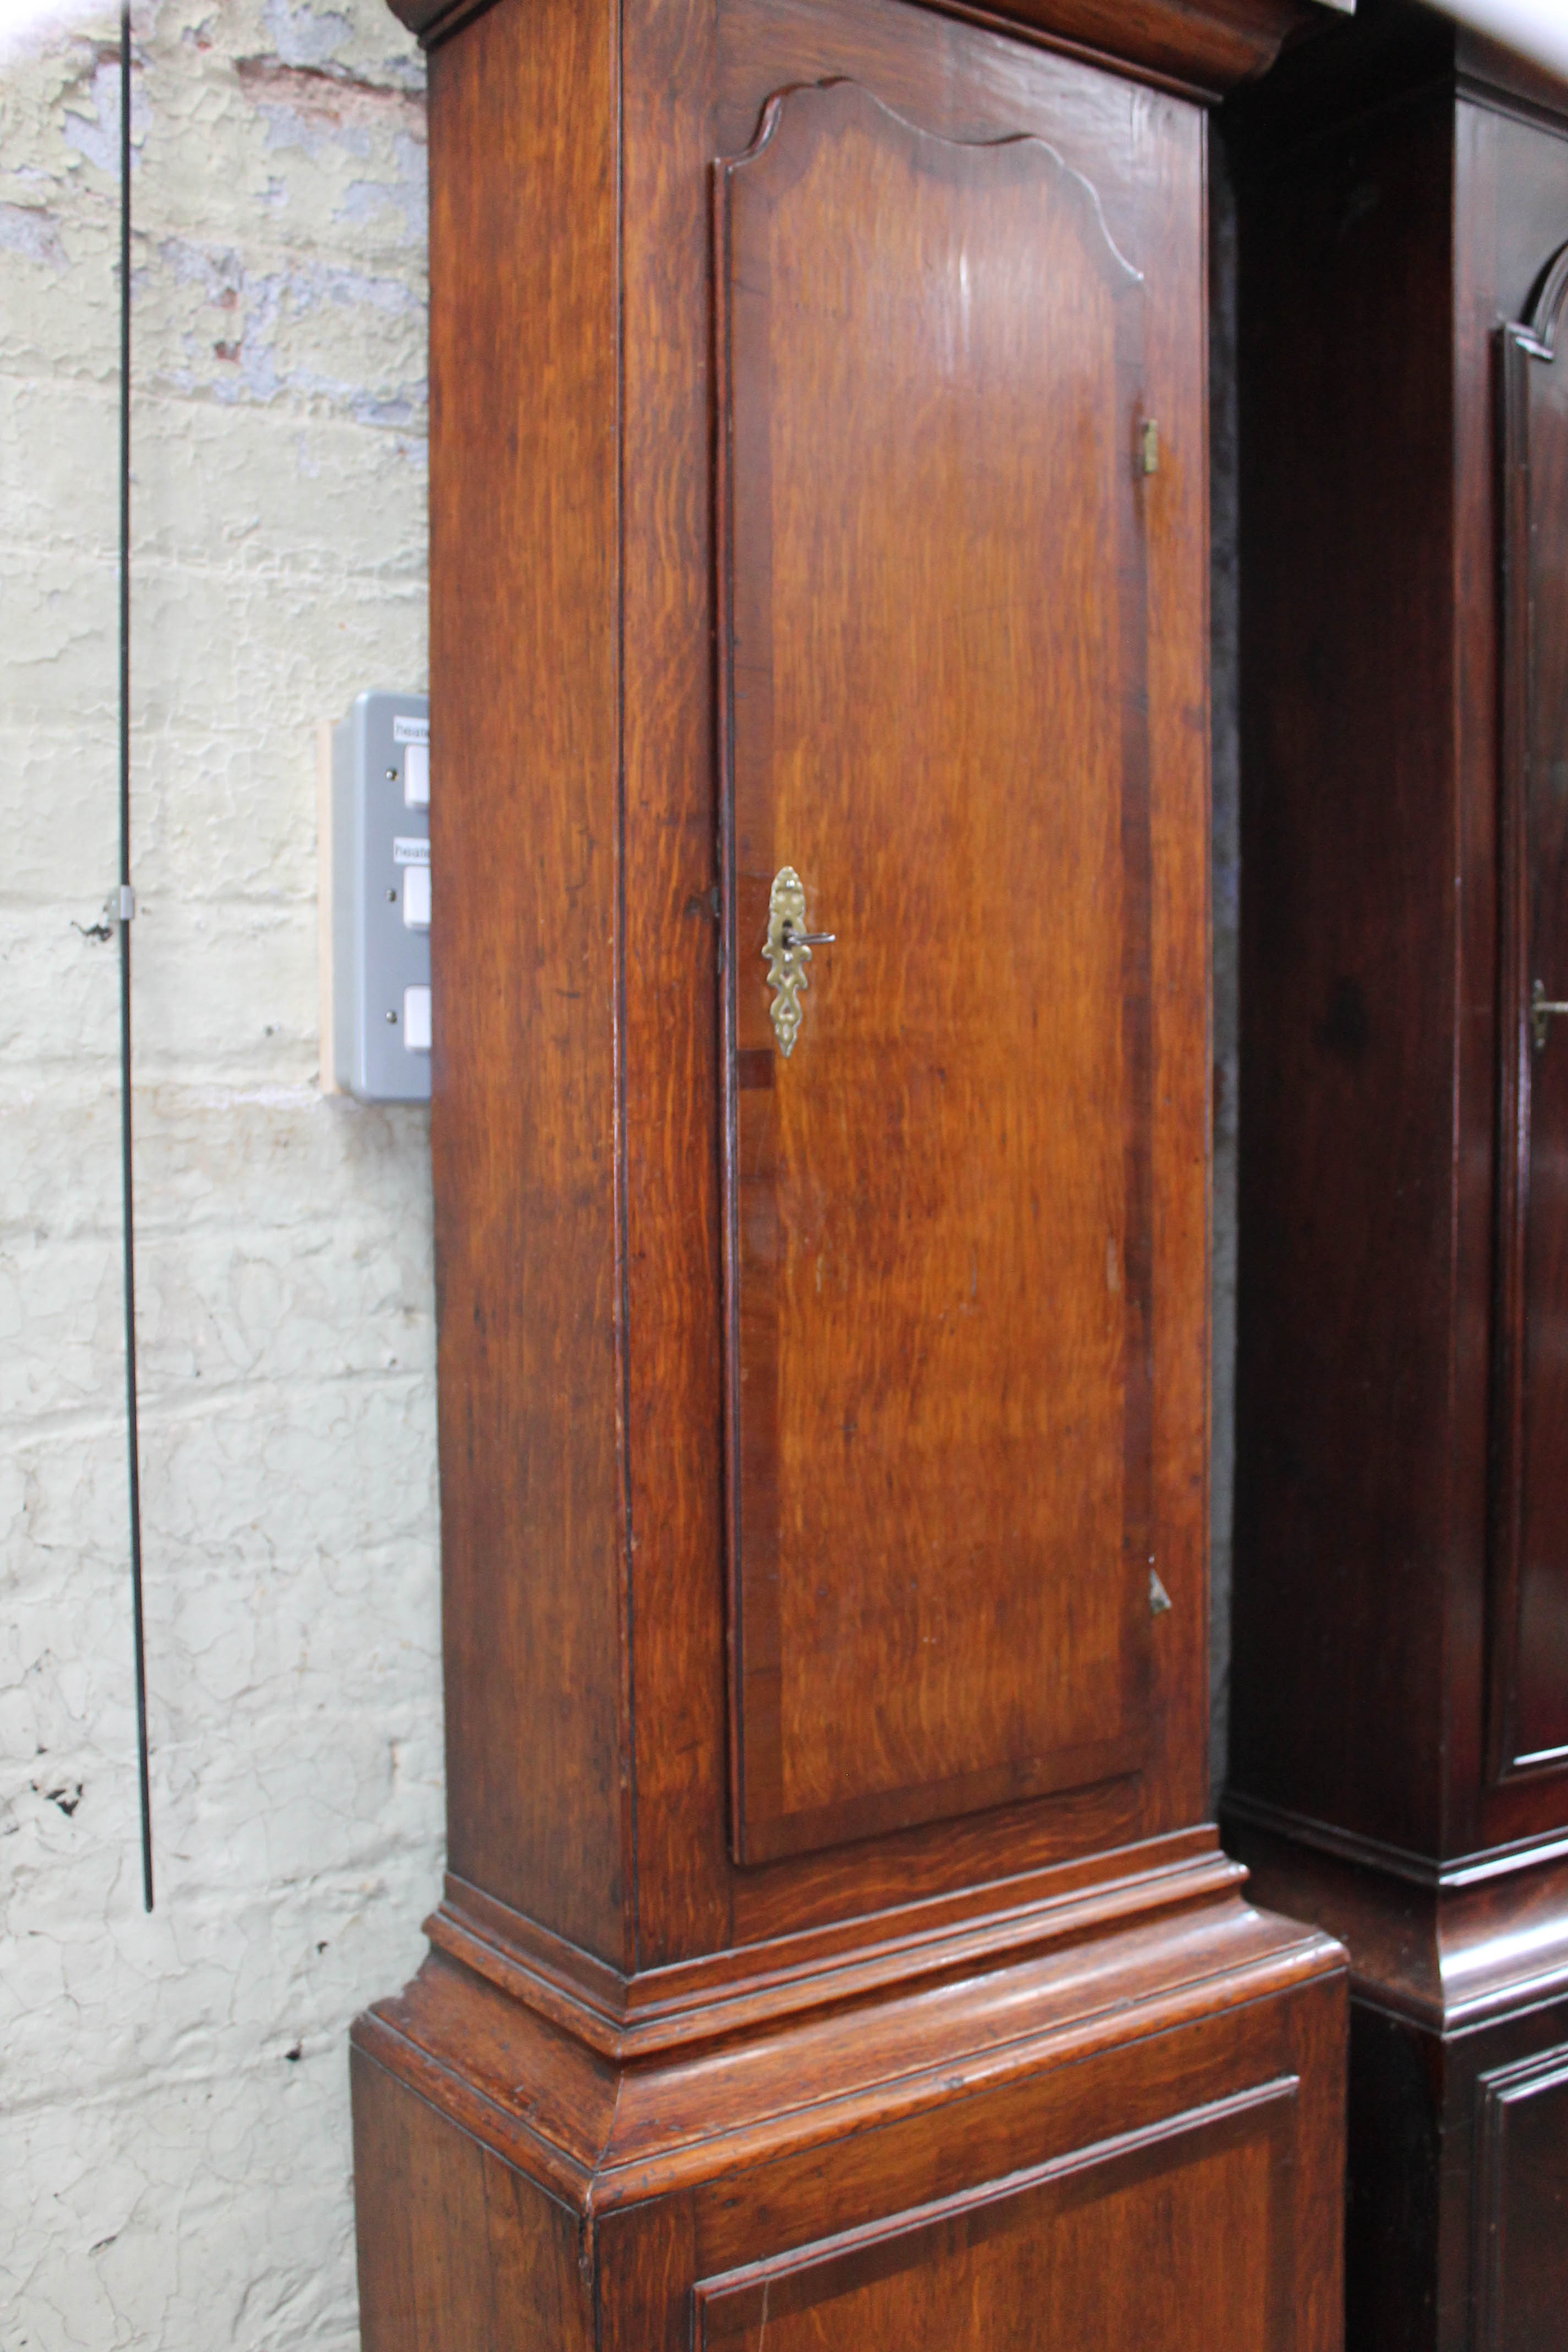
[[1399, 1766], [832, 1943]]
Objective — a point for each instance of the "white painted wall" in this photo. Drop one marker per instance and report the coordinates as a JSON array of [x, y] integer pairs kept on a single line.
[[174, 2156]]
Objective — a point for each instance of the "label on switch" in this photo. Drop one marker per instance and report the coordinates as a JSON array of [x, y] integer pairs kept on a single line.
[[409, 850]]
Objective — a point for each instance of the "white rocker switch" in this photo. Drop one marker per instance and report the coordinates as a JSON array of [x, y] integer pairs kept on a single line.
[[416, 897]]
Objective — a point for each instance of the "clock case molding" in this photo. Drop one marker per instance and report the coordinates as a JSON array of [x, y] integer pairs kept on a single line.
[[682, 2057]]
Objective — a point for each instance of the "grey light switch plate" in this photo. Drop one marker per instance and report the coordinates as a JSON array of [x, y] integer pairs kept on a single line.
[[376, 885]]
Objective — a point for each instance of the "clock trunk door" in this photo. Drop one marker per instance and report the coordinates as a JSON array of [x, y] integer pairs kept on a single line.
[[1530, 1664], [933, 620]]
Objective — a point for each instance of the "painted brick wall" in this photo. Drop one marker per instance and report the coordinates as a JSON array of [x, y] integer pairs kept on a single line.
[[174, 2158]]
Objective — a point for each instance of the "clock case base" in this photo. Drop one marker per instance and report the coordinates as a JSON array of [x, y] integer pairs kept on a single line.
[[1124, 2099], [1458, 2215]]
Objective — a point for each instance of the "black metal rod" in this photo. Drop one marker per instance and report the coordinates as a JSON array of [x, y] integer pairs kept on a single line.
[[126, 1182]]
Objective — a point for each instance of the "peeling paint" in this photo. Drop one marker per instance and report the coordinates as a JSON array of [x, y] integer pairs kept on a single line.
[[410, 197], [33, 232], [91, 123], [303, 35]]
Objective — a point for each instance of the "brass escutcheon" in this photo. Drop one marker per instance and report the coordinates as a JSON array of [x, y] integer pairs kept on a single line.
[[787, 951]]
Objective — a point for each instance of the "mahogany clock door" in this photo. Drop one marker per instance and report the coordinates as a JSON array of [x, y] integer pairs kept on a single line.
[[1533, 1681], [933, 671]]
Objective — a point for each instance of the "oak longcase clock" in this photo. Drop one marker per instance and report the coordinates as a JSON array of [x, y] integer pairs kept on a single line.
[[833, 1940]]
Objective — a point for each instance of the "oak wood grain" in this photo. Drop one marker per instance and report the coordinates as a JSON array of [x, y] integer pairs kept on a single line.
[[783, 2086], [1113, 2242], [692, 2001], [1145, 155], [456, 2247], [932, 656], [524, 539]]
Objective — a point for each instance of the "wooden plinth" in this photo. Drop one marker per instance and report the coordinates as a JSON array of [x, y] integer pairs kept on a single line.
[[1107, 2116], [1457, 2237]]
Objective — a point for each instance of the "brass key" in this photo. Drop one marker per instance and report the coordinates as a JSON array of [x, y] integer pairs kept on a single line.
[[1541, 1011]]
